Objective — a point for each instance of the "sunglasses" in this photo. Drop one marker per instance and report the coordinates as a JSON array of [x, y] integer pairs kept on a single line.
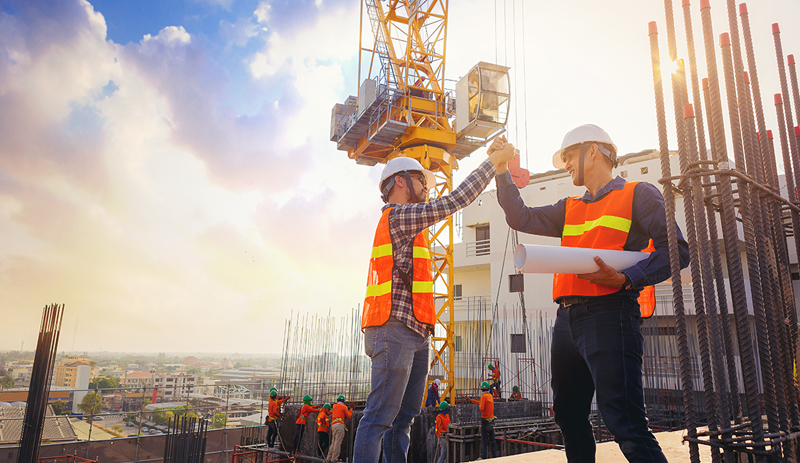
[[421, 178]]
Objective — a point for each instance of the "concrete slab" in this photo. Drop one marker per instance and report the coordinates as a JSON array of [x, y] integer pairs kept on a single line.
[[82, 430], [608, 452]]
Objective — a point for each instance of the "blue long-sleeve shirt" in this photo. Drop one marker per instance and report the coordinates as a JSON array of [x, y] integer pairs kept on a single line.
[[648, 222]]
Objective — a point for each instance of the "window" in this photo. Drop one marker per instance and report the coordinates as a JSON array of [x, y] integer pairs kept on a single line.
[[623, 173], [542, 188], [516, 283], [643, 170], [457, 343], [517, 343], [457, 292], [482, 238]]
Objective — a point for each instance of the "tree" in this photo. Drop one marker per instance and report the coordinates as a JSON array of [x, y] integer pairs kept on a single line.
[[7, 381], [162, 417], [117, 429], [59, 406], [91, 404], [219, 420], [104, 382]]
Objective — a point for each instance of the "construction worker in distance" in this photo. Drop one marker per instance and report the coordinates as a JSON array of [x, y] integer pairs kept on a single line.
[[515, 395], [486, 405], [597, 342], [433, 394], [338, 414], [274, 416], [494, 378], [300, 424], [323, 424], [399, 312], [442, 422]]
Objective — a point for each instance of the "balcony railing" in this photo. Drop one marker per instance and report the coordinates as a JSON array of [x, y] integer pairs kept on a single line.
[[472, 302], [478, 248]]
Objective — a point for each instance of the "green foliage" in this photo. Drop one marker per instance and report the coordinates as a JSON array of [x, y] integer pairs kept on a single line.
[[91, 404], [162, 417], [59, 406], [219, 420], [104, 382], [7, 381]]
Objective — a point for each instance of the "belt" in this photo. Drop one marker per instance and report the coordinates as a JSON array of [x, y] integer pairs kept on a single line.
[[573, 300]]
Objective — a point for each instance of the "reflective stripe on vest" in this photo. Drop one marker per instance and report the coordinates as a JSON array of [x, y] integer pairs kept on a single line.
[[378, 301], [599, 225]]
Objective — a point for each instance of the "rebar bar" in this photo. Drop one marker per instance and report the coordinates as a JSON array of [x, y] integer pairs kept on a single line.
[[39, 389], [672, 236]]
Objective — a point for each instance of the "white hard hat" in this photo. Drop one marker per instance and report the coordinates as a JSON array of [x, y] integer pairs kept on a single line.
[[438, 383], [403, 164], [582, 134]]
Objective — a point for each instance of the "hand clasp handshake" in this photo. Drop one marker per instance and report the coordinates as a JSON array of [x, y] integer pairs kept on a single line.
[[500, 152]]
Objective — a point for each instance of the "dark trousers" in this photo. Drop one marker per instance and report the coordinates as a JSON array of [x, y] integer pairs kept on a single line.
[[298, 435], [487, 437], [496, 386], [597, 347], [272, 432], [323, 440]]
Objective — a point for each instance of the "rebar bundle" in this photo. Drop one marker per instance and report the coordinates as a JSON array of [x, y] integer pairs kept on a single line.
[[39, 389], [324, 357], [747, 195], [186, 440]]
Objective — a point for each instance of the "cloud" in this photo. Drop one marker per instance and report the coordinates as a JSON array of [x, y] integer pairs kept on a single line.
[[170, 36], [262, 12], [133, 192], [240, 32], [224, 4]]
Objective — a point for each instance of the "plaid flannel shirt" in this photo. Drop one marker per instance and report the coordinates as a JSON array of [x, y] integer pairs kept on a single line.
[[406, 221]]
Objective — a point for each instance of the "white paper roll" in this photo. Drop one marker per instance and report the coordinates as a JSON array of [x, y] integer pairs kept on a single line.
[[532, 258]]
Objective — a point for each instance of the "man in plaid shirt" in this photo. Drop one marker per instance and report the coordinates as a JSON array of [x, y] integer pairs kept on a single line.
[[399, 315]]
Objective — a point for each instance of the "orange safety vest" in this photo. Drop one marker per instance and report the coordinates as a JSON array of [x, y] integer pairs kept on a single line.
[[442, 422], [275, 408], [304, 412], [599, 225], [339, 412], [323, 421], [378, 303]]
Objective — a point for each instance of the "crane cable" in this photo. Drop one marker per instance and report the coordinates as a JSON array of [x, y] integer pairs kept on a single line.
[[515, 239]]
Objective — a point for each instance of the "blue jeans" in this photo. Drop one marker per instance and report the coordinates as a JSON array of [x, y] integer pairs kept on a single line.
[[399, 371], [598, 346], [487, 438], [441, 450]]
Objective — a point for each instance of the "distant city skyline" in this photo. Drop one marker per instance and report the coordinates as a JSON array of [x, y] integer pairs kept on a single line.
[[166, 170]]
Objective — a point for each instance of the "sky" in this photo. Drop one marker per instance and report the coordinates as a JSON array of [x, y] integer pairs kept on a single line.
[[166, 171]]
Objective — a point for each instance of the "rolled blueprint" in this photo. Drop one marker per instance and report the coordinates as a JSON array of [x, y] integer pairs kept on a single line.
[[533, 258]]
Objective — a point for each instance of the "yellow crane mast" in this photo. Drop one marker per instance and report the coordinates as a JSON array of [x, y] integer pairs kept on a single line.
[[404, 109]]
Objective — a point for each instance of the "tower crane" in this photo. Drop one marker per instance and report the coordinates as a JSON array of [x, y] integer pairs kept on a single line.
[[403, 109]]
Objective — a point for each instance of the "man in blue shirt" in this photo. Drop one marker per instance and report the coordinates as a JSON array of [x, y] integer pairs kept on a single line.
[[597, 342]]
